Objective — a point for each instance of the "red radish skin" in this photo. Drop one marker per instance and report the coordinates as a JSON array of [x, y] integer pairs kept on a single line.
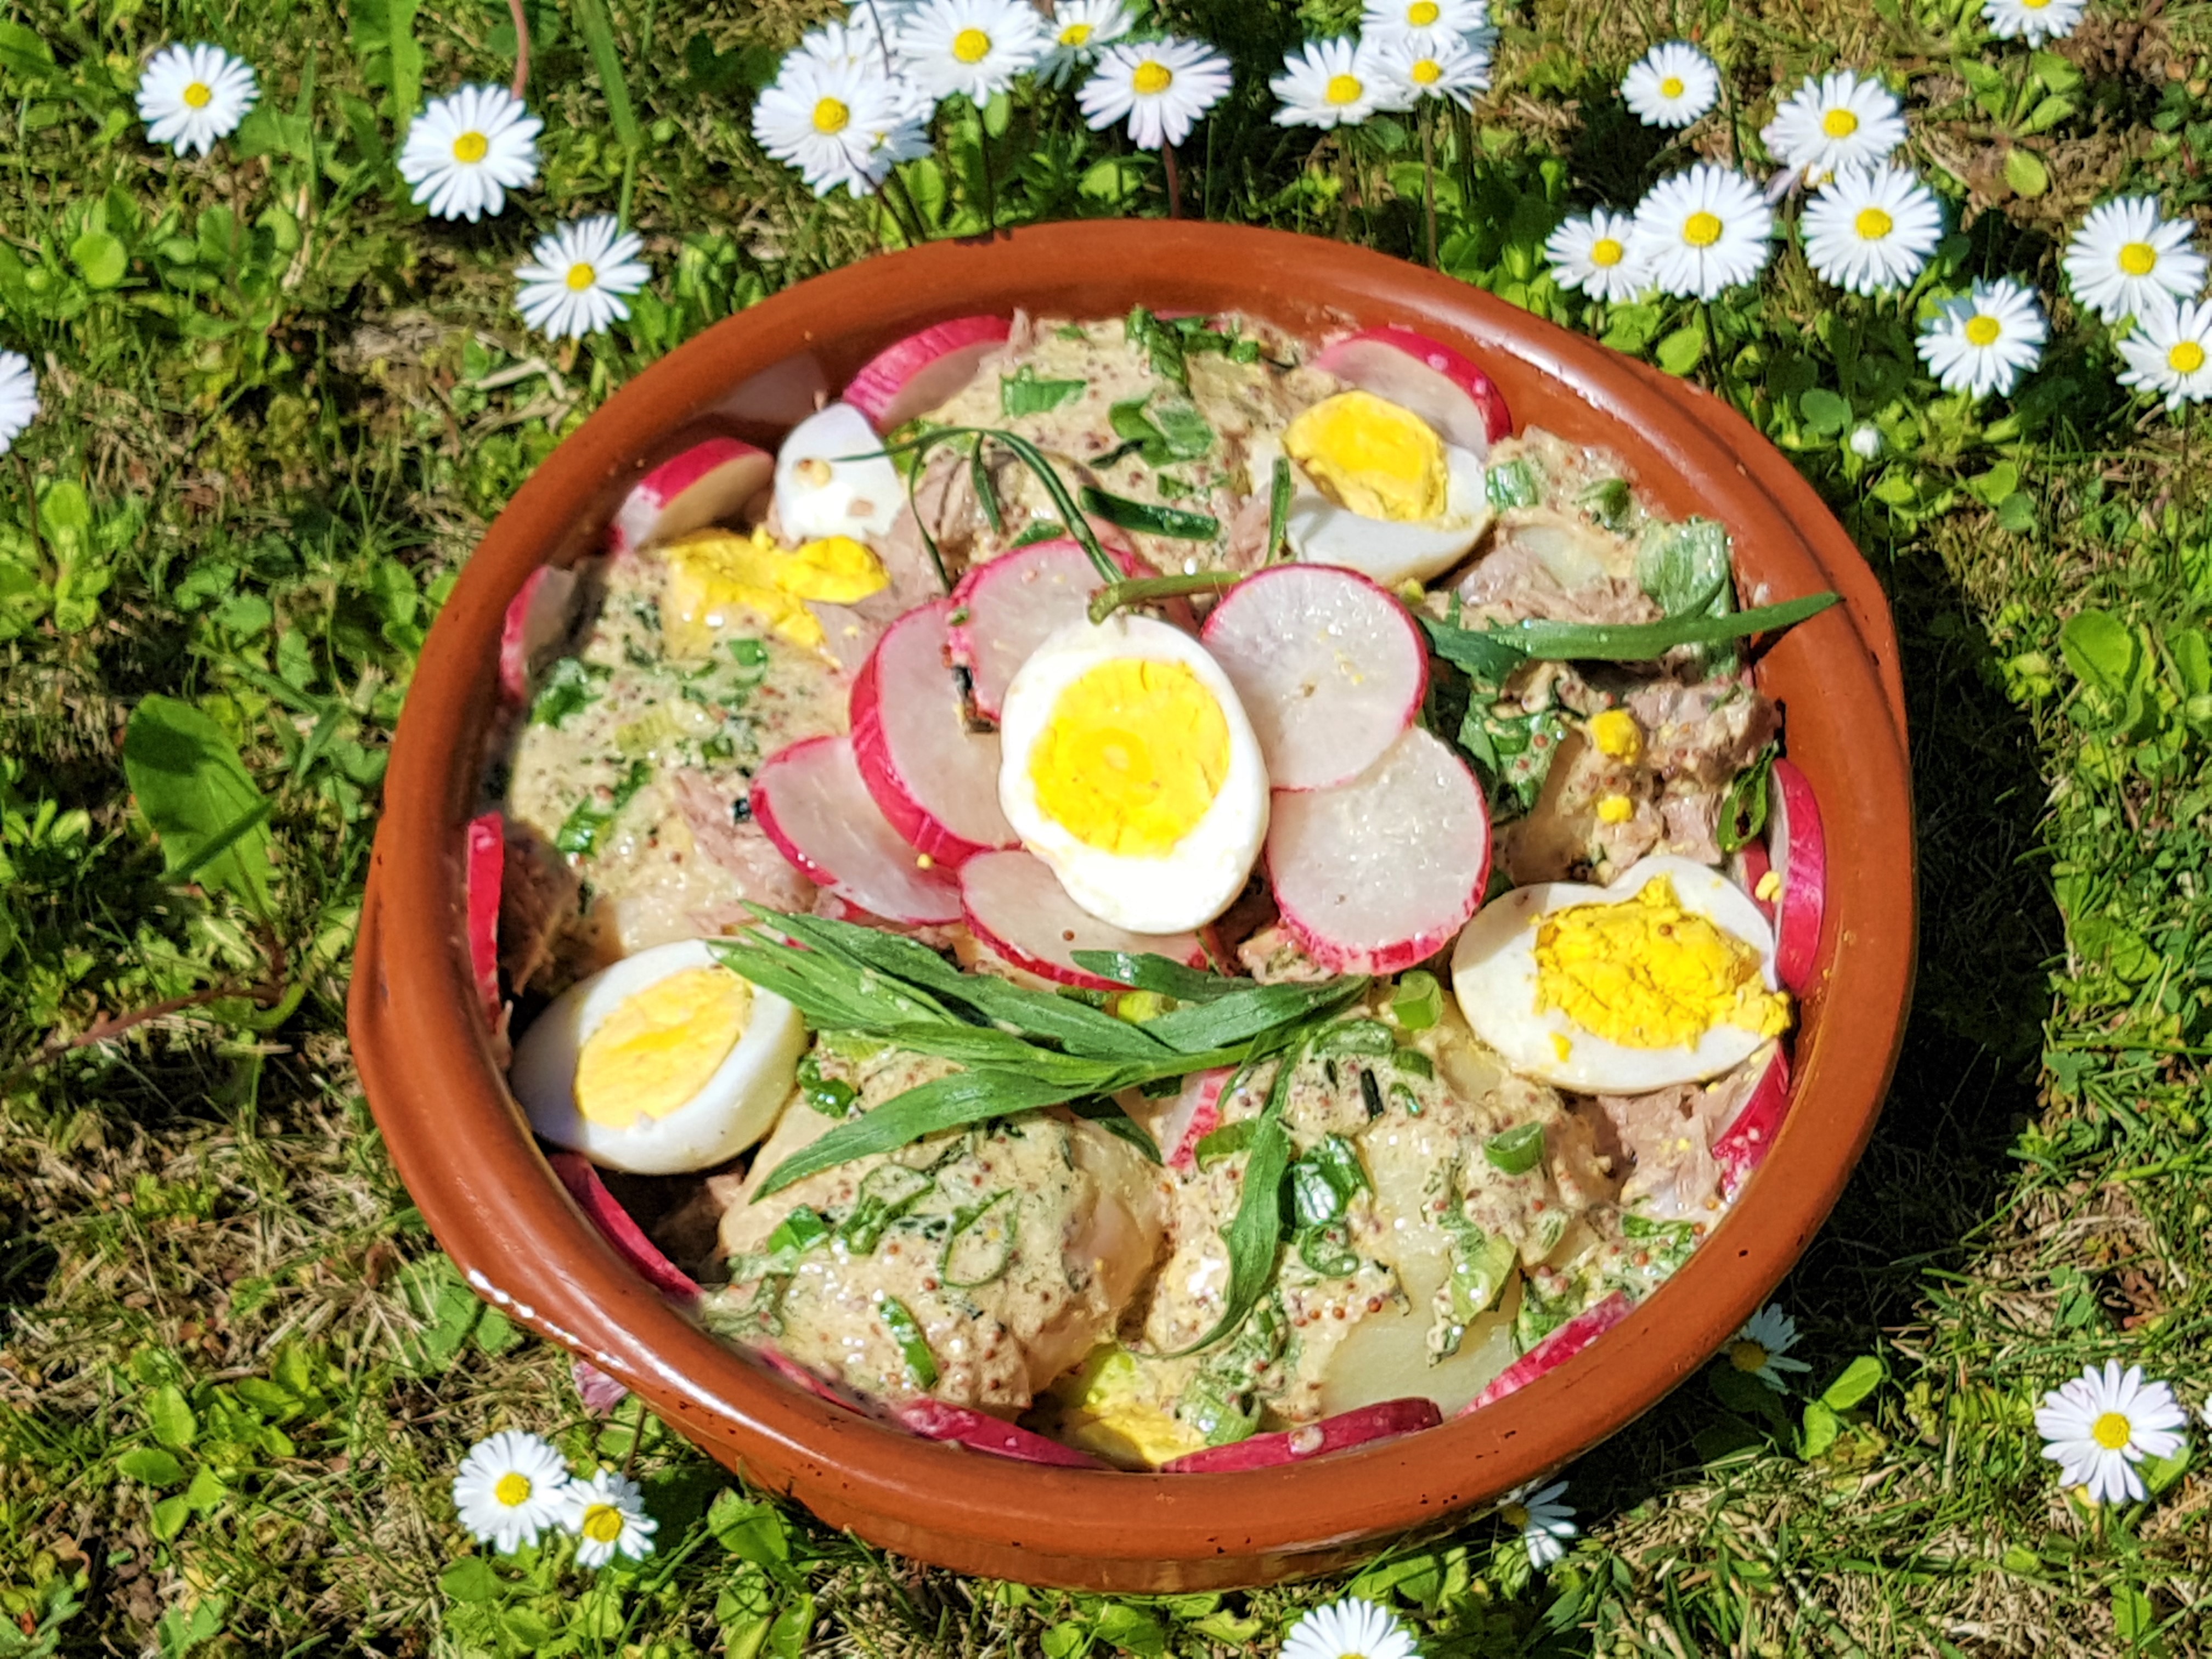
[[933, 1419], [1016, 906], [1196, 1114], [616, 1227], [1426, 376], [1743, 1145], [1799, 851], [935, 781], [1555, 1350], [707, 483], [487, 863], [1004, 609], [1382, 873], [537, 619], [791, 1372], [1748, 868], [1380, 1421], [923, 369], [809, 800], [1330, 668]]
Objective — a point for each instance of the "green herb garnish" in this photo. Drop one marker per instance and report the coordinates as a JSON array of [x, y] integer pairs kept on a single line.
[[980, 1246], [1517, 1151], [1489, 655], [1744, 808], [579, 832], [1278, 510], [1511, 483], [912, 1347], [1022, 392], [1149, 518], [571, 688]]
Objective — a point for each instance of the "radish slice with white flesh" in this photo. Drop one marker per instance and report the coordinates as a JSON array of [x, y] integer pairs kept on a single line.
[[487, 868], [1750, 868], [934, 780], [923, 369], [933, 1419], [1799, 848], [809, 800], [1006, 608], [537, 620], [627, 1238], [1379, 873], [831, 478], [1426, 376], [1016, 905], [707, 483], [1194, 1114], [1331, 670], [796, 1374], [1555, 1350], [1742, 1146], [1381, 1421]]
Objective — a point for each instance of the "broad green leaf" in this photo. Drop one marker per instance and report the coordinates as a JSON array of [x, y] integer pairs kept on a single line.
[[2024, 172], [750, 1530], [171, 1417], [598, 32], [2191, 648], [169, 1517], [1682, 350], [151, 1464], [2102, 651], [23, 53], [100, 258], [1822, 1425], [206, 1491], [1860, 1378], [1826, 412], [195, 793], [786, 1638], [469, 1581], [2134, 1618], [405, 55], [2054, 72], [2160, 1472], [2016, 513], [1994, 485]]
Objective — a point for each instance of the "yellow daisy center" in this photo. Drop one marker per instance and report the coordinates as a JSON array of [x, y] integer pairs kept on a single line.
[[1607, 253], [603, 1523], [1747, 1355], [1075, 34], [1701, 229], [2112, 1431], [2034, 5], [830, 115], [971, 46], [1343, 89], [1840, 123], [1672, 86], [471, 147], [1428, 72], [1514, 1515], [2138, 259], [2186, 357], [200, 95], [1152, 77], [1423, 13], [513, 1489], [1873, 224], [581, 276], [1982, 330]]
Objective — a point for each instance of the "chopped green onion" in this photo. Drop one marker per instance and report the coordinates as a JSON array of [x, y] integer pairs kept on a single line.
[[964, 1266], [1517, 1151], [912, 1347], [1511, 483], [1278, 510], [1418, 1003], [1139, 590], [1148, 519]]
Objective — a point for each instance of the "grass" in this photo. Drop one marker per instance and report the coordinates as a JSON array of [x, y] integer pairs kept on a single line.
[[235, 1374]]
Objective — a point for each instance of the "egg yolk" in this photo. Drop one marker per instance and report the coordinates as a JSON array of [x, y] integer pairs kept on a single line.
[[658, 1048], [1648, 974], [1379, 460], [1616, 733], [716, 572], [1132, 756], [1103, 1414]]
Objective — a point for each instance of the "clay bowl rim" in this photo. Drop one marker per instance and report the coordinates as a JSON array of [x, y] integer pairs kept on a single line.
[[481, 1182]]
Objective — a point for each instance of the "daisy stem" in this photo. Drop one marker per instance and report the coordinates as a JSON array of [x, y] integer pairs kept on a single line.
[[1712, 345], [915, 231], [636, 1434], [1429, 179], [1174, 182], [983, 157], [521, 47]]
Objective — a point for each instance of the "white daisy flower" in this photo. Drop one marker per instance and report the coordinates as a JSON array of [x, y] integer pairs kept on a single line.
[[1671, 85], [837, 123], [1865, 440], [189, 96], [1762, 1347], [1984, 341], [851, 45], [975, 47], [1162, 86], [1544, 1523], [2126, 257], [1835, 121], [1595, 251], [1329, 84], [1350, 1629], [575, 279], [607, 1514], [1869, 229], [2169, 355], [1418, 64], [1703, 230], [2034, 21], [465, 151], [510, 1488], [19, 398], [2097, 1427], [1079, 30], [1380, 18]]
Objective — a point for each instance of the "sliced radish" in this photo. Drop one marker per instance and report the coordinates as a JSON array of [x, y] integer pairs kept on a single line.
[[616, 1227], [809, 800], [1750, 868], [1742, 1146], [923, 369], [707, 483], [1426, 376], [934, 1419], [1016, 905], [1196, 1114], [1005, 609], [791, 1372], [1331, 670], [537, 620], [937, 781], [1555, 1350], [832, 480], [487, 863], [1800, 850], [1379, 1421], [1379, 873]]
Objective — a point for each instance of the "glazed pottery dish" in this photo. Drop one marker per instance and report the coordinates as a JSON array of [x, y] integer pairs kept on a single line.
[[1137, 905]]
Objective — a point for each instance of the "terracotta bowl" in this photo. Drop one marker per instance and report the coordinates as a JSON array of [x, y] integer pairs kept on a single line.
[[466, 1152]]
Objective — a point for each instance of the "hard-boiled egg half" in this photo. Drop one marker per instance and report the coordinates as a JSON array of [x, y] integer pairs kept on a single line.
[[715, 576], [664, 1062], [1128, 766], [1377, 490], [1667, 976], [832, 478]]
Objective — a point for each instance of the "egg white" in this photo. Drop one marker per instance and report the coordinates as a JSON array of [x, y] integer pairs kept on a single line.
[[1494, 977], [734, 1108], [1181, 888], [858, 498], [1387, 550]]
